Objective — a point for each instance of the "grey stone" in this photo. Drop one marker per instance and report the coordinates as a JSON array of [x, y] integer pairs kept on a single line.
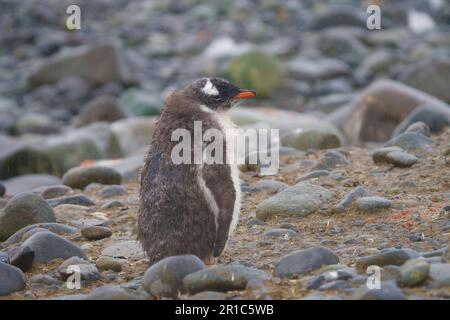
[[95, 232], [128, 249], [409, 141], [108, 263], [345, 203], [304, 261], [11, 279], [77, 199], [221, 278], [28, 182], [54, 191], [373, 204], [48, 246], [388, 291], [110, 293], [22, 258], [112, 191], [440, 275], [330, 160], [103, 108], [401, 159], [314, 174], [304, 139], [419, 127], [301, 199], [22, 210], [414, 272], [379, 155], [281, 233], [428, 118], [392, 257], [80, 177], [88, 272], [165, 278], [271, 186], [53, 227]]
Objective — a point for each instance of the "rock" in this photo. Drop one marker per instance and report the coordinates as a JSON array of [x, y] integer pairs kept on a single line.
[[414, 272], [314, 70], [95, 232], [31, 122], [430, 75], [391, 272], [208, 295], [379, 155], [29, 182], [388, 291], [165, 278], [343, 205], [271, 186], [401, 159], [54, 191], [22, 210], [343, 46], [303, 261], [281, 233], [77, 199], [48, 246], [88, 272], [45, 280], [101, 109], [22, 258], [301, 200], [314, 174], [330, 160], [128, 249], [10, 113], [96, 65], [376, 112], [53, 227], [409, 141], [2, 189], [138, 102], [221, 278], [114, 204], [434, 121], [11, 279], [80, 177], [110, 293], [337, 15], [418, 127], [395, 257], [440, 274], [247, 70], [373, 204], [56, 154], [108, 263], [4, 257], [112, 191], [311, 139], [133, 133]]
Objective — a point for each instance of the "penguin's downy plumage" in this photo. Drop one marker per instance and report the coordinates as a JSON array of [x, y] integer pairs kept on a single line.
[[190, 208]]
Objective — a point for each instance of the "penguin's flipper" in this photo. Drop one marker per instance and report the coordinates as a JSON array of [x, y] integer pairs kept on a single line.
[[218, 180]]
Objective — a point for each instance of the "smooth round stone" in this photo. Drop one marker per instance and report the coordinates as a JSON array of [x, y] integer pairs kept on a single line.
[[221, 278], [26, 232], [113, 204], [22, 210], [314, 174], [281, 233], [48, 246], [11, 279], [409, 141], [88, 272], [165, 278], [77, 199], [414, 272], [112, 191], [371, 204], [22, 258], [127, 249], [4, 257], [303, 261], [51, 192], [379, 155], [401, 159], [208, 295], [419, 127], [392, 257], [330, 160], [80, 177], [110, 293], [108, 263], [440, 275], [45, 280], [96, 232], [345, 203], [272, 186]]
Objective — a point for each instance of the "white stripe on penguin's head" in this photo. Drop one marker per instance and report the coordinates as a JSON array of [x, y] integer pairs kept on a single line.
[[210, 89]]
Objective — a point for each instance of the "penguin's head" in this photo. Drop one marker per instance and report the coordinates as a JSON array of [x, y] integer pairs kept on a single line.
[[217, 94]]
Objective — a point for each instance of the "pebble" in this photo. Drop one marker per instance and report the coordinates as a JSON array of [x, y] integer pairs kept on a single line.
[[401, 159], [271, 186], [114, 204], [4, 257], [281, 233], [300, 200], [108, 263], [57, 228], [330, 160], [88, 272], [45, 280], [373, 204], [48, 246], [345, 203], [126, 249], [208, 295], [11, 279], [77, 199], [22, 258], [51, 192], [414, 272], [165, 278], [22, 210], [96, 232], [439, 275], [221, 278], [392, 257], [80, 177], [388, 291], [304, 261], [409, 141], [110, 293], [379, 155], [314, 174], [112, 191]]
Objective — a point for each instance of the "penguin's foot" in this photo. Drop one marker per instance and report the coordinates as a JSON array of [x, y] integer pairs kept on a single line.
[[210, 261]]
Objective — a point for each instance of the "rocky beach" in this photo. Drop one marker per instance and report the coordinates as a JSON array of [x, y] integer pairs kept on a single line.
[[362, 194]]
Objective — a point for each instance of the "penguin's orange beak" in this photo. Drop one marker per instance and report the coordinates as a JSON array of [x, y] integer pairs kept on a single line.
[[245, 94]]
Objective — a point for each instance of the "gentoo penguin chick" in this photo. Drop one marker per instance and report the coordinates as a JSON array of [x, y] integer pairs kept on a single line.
[[190, 208]]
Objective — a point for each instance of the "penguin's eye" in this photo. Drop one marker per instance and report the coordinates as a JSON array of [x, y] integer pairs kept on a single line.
[[217, 98]]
